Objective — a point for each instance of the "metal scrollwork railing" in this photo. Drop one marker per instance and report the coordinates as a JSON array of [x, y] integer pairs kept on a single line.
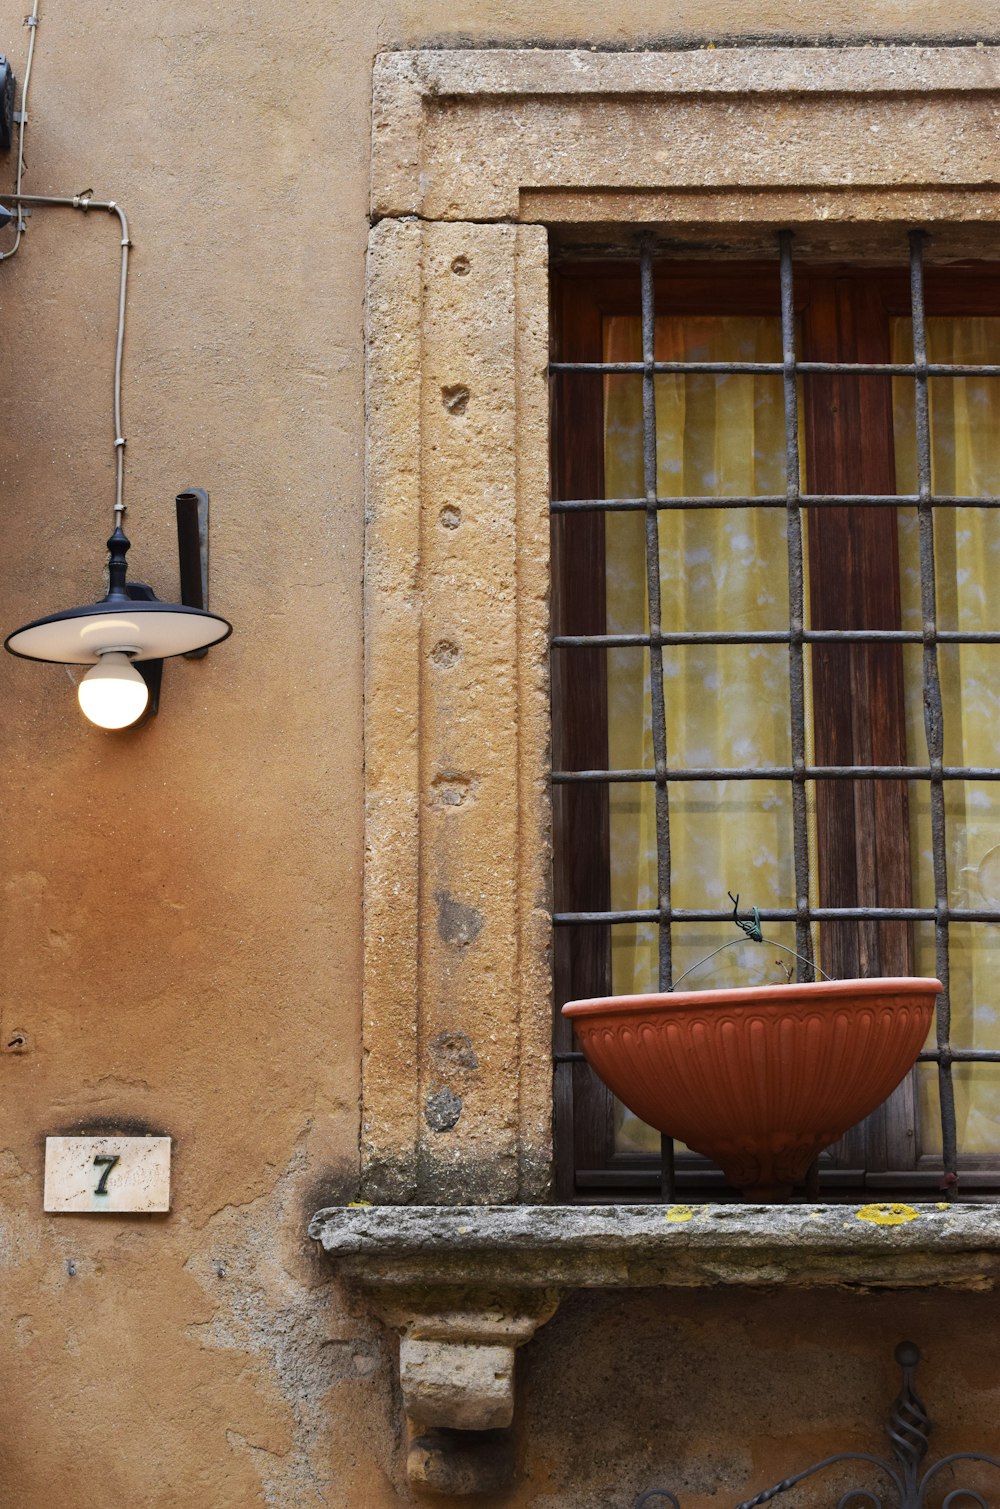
[[909, 1430]]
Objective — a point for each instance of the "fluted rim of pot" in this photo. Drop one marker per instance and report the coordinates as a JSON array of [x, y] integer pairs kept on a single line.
[[749, 995]]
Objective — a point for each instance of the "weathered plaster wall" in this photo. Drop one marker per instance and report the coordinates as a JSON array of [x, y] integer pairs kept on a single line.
[[717, 1397], [182, 905]]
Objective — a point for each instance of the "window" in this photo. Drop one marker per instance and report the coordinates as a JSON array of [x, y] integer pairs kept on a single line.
[[731, 441]]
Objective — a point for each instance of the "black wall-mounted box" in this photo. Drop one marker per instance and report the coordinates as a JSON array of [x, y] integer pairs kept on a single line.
[[7, 85]]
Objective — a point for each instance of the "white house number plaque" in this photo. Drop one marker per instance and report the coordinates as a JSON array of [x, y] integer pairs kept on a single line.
[[107, 1174]]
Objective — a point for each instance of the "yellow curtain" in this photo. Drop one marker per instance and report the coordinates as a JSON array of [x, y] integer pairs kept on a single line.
[[965, 461], [729, 705]]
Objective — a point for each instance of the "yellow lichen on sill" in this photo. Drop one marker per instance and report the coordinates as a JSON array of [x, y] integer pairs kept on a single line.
[[887, 1215]]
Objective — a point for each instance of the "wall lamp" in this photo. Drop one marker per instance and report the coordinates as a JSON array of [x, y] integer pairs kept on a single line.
[[126, 636]]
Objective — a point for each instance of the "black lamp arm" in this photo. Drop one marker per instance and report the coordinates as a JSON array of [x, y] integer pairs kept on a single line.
[[192, 551]]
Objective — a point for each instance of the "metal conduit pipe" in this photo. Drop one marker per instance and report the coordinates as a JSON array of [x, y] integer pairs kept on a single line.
[[85, 203]]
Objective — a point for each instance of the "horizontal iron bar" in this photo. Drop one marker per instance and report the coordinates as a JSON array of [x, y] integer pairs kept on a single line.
[[970, 1179], [928, 1056], [770, 500], [840, 1182], [777, 369], [781, 914], [646, 1178], [771, 636], [959, 1055], [780, 773]]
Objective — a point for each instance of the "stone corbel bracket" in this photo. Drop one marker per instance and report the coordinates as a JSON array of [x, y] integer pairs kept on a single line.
[[457, 1341], [456, 1351], [466, 1286], [456, 1372]]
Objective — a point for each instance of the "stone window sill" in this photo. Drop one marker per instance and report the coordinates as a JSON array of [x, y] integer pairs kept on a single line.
[[466, 1286], [534, 1247]]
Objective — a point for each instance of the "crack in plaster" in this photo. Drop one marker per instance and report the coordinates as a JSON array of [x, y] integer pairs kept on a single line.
[[265, 1310]]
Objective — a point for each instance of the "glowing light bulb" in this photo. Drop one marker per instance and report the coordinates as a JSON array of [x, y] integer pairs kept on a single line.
[[113, 694]]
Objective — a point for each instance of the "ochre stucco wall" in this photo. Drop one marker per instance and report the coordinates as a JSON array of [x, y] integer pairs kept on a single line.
[[182, 914]]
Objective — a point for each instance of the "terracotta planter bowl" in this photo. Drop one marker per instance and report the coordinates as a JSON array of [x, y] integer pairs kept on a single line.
[[760, 1079]]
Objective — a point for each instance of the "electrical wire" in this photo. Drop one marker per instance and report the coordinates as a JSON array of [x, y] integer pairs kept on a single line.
[[85, 203], [82, 202], [31, 21]]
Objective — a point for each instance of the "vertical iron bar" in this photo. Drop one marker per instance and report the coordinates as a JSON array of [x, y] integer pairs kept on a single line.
[[658, 707], [657, 701], [933, 707], [796, 610], [668, 1174]]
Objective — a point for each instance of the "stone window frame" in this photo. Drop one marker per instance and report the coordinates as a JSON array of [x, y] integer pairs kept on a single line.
[[476, 156]]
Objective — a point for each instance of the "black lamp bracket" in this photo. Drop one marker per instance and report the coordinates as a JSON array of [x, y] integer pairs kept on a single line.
[[192, 552]]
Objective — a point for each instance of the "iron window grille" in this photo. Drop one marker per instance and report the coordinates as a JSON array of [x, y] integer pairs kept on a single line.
[[797, 636]]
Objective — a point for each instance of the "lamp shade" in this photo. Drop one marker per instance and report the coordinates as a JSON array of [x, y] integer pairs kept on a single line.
[[150, 630], [78, 636]]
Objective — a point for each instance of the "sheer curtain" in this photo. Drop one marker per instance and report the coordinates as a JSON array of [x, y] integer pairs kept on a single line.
[[729, 705]]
